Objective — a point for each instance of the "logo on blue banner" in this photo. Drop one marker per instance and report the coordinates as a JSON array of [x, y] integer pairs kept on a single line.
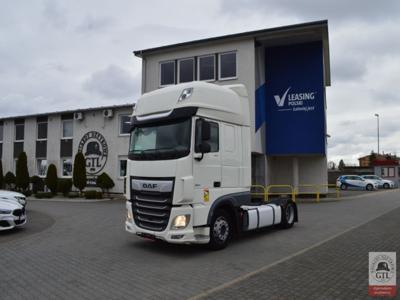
[[295, 100]]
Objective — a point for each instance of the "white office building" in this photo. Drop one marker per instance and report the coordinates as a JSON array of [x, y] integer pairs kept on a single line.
[[285, 71], [100, 133]]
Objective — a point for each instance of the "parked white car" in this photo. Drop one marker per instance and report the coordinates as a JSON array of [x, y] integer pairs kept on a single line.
[[382, 183], [10, 195], [356, 182], [12, 214]]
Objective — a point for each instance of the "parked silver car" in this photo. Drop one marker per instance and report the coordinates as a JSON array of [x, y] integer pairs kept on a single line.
[[382, 183], [12, 214], [10, 195]]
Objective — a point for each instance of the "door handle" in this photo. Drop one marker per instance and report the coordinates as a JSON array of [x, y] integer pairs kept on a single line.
[[217, 183]]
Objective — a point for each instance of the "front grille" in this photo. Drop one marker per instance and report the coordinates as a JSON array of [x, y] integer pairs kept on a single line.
[[18, 222], [18, 212], [4, 224], [151, 209]]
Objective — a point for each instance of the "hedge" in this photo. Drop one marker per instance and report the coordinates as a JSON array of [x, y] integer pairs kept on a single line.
[[91, 194]]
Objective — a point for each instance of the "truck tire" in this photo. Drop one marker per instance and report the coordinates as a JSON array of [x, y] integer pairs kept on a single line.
[[288, 215], [221, 230], [369, 187]]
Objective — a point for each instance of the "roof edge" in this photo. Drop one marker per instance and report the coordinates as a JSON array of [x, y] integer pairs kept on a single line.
[[140, 53], [68, 111]]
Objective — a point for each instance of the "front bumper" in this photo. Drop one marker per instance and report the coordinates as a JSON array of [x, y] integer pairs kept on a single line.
[[8, 222], [188, 235]]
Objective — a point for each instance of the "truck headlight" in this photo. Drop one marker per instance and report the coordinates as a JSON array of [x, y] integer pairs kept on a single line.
[[5, 211], [129, 215], [181, 222]]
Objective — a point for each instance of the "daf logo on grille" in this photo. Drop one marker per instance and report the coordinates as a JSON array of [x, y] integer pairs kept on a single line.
[[149, 185]]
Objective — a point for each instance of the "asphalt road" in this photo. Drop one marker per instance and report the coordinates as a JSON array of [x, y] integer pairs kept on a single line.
[[81, 251]]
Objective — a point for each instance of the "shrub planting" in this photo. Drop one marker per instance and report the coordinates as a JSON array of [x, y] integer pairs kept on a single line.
[[52, 179], [91, 194], [9, 180], [37, 184], [64, 186], [22, 174], [79, 172], [104, 182]]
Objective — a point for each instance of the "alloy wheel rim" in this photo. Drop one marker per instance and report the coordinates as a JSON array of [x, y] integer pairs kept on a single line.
[[221, 229]]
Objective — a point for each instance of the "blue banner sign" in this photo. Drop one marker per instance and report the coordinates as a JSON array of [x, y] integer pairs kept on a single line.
[[295, 100]]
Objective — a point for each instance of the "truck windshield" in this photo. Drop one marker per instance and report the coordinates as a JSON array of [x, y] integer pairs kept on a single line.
[[160, 141]]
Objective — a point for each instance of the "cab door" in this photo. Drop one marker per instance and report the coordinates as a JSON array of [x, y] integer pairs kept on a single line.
[[207, 161]]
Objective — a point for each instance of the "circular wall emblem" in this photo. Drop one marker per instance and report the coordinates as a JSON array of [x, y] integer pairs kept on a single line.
[[94, 147], [382, 268]]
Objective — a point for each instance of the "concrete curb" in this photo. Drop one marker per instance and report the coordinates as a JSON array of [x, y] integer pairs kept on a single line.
[[74, 200]]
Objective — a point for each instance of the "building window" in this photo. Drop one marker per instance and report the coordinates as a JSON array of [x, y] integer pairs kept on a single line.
[[67, 129], [122, 167], [186, 70], [227, 66], [19, 130], [124, 124], [41, 149], [206, 68], [66, 148], [42, 130], [388, 172], [167, 73], [66, 167], [18, 148], [41, 165]]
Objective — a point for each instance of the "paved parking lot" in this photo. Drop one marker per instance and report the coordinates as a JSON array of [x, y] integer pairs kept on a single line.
[[81, 251]]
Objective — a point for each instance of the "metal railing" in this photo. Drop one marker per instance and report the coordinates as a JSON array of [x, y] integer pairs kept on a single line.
[[293, 192], [332, 185], [264, 193], [287, 186], [315, 187]]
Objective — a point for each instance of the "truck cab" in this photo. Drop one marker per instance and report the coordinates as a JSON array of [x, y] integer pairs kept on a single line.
[[189, 166]]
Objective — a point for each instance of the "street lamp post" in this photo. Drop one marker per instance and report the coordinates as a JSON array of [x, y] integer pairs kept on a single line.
[[377, 119]]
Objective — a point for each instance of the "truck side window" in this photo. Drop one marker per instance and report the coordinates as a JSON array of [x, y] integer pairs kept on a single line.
[[214, 136], [214, 140]]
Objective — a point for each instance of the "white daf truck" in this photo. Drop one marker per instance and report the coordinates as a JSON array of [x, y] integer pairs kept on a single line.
[[189, 168]]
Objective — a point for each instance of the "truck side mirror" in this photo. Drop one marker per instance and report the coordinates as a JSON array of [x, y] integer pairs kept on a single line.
[[202, 137], [205, 147]]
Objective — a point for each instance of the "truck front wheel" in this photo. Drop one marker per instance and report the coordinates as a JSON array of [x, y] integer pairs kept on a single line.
[[220, 230]]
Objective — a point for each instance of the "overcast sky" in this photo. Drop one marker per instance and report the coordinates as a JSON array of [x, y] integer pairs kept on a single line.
[[57, 55]]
